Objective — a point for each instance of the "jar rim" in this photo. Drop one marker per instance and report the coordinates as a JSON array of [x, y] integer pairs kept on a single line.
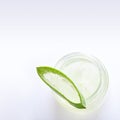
[[95, 61]]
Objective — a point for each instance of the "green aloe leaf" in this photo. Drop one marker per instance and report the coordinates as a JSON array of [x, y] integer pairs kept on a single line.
[[62, 85]]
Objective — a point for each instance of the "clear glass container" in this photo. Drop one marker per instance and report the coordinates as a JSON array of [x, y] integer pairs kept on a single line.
[[89, 75]]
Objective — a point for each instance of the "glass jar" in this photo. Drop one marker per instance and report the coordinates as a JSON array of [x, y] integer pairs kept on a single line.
[[89, 75]]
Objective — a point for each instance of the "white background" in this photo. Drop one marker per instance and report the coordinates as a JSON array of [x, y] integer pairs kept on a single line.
[[36, 33]]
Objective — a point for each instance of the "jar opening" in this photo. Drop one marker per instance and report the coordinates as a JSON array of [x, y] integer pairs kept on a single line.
[[88, 69]]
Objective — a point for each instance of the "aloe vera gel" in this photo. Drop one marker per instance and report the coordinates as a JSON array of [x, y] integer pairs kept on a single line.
[[62, 85], [89, 76]]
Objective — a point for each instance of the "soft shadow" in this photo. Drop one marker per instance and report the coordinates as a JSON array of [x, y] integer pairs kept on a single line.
[[62, 113]]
